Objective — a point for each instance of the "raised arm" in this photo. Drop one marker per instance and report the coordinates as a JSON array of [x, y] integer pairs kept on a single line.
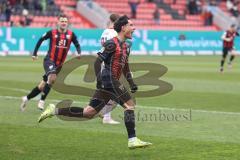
[[76, 43], [45, 36], [109, 47]]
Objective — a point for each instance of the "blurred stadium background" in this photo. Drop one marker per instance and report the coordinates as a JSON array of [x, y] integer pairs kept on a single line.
[[179, 26], [183, 35]]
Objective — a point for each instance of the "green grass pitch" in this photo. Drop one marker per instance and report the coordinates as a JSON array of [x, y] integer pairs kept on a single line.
[[206, 101]]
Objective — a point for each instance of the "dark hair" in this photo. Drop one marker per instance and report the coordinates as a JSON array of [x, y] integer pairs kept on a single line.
[[62, 16], [122, 21], [233, 25], [113, 17]]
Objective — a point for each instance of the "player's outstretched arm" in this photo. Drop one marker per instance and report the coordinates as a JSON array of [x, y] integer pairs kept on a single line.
[[77, 45], [109, 47], [44, 37]]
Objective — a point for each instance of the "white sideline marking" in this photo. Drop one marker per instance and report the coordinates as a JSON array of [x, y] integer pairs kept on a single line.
[[140, 106], [15, 89]]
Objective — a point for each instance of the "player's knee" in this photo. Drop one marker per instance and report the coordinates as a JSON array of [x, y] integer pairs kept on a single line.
[[52, 78], [41, 86], [89, 112], [130, 107]]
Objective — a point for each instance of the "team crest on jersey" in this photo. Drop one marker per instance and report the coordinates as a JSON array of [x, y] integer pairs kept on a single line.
[[68, 36]]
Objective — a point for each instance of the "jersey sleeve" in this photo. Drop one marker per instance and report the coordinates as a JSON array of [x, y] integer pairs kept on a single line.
[[44, 37], [126, 70], [127, 73], [224, 35], [109, 47], [76, 43]]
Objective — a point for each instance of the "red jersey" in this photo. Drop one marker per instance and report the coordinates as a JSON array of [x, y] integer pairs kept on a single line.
[[231, 35], [115, 56], [59, 45]]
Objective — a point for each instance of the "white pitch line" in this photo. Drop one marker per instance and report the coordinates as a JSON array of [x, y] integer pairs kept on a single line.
[[140, 106], [193, 110], [15, 89]]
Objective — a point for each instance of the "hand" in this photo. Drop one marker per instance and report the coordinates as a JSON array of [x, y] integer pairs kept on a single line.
[[78, 56], [134, 88], [34, 58]]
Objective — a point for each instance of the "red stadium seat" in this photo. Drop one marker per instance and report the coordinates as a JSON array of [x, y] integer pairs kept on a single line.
[[145, 15]]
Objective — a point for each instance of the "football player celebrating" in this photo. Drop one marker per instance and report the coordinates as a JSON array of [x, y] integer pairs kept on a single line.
[[60, 40]]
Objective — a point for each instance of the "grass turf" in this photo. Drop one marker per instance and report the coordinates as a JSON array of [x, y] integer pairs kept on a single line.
[[198, 120]]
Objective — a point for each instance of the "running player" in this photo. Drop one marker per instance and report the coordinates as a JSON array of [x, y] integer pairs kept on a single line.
[[228, 46], [60, 40], [107, 34], [115, 57]]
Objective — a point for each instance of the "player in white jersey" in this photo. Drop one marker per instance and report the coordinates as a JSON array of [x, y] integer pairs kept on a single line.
[[108, 34]]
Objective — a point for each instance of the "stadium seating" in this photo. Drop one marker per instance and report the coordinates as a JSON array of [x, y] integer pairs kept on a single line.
[[223, 7], [68, 8], [49, 18], [145, 20]]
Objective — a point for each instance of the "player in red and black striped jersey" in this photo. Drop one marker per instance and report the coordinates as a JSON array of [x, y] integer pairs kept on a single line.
[[60, 41], [228, 46], [114, 54], [107, 34]]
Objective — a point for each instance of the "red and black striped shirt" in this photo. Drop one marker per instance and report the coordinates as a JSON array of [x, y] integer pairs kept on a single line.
[[59, 45], [115, 57], [229, 35]]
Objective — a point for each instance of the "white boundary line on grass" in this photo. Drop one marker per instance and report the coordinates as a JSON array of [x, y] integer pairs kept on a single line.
[[15, 89], [140, 106]]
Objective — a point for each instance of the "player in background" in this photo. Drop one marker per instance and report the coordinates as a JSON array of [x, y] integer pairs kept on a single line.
[[60, 41], [115, 55], [228, 46], [107, 34]]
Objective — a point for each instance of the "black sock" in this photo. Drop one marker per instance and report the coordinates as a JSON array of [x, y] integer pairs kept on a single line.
[[35, 91], [129, 119], [71, 112], [46, 90], [231, 59], [222, 62]]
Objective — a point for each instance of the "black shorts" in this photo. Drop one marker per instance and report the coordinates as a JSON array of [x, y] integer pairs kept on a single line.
[[225, 51], [50, 68], [101, 97]]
